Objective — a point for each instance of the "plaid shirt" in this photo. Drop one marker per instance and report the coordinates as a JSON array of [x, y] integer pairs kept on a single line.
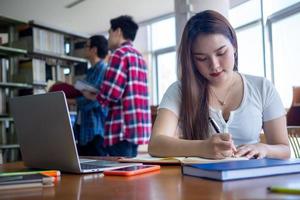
[[90, 114], [125, 92]]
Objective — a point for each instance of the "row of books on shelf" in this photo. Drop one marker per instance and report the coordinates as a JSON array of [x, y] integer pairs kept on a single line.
[[2, 101], [31, 71], [4, 64], [7, 132], [10, 153], [39, 40]]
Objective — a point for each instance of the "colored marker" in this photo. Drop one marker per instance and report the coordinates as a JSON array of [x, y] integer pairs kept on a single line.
[[284, 190], [52, 173]]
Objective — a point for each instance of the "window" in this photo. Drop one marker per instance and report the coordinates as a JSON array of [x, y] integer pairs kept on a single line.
[[268, 41], [286, 48], [163, 34], [272, 6], [156, 41], [166, 71], [246, 19], [250, 50], [245, 13], [163, 47]]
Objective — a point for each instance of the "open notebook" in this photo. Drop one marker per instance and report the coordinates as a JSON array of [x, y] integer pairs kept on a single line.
[[176, 160]]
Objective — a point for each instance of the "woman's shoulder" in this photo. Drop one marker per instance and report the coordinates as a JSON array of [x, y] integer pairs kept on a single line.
[[174, 88], [257, 81], [259, 87], [171, 98], [175, 85]]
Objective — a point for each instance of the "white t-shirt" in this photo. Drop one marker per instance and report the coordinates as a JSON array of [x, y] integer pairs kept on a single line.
[[260, 103]]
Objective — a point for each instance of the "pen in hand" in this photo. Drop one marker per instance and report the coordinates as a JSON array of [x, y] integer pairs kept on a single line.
[[214, 125], [217, 129]]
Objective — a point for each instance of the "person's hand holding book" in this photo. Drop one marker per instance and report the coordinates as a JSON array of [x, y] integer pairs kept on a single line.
[[89, 95]]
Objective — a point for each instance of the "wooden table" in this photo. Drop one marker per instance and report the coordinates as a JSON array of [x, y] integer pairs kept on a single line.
[[166, 184]]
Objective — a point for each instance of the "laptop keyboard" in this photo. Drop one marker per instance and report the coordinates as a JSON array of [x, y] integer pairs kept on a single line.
[[87, 166], [93, 164]]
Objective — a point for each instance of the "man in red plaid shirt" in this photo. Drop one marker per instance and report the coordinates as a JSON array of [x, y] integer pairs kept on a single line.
[[125, 92]]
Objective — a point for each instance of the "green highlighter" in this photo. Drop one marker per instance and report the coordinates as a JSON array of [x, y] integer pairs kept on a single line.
[[284, 189]]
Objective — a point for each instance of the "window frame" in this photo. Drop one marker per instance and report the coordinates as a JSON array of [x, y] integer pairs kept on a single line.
[[155, 57], [275, 17]]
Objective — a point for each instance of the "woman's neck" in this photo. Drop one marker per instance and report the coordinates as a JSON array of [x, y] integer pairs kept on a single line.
[[224, 85]]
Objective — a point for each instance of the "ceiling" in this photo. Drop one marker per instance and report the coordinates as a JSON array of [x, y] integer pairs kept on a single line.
[[86, 18]]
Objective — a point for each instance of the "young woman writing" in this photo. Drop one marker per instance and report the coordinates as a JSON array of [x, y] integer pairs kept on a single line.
[[210, 86]]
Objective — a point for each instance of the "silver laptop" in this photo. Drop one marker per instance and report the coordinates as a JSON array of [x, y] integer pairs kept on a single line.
[[46, 136]]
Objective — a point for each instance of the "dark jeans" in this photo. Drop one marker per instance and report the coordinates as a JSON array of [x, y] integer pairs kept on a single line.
[[96, 148]]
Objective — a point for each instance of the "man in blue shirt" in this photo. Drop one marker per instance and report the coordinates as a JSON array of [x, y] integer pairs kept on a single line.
[[89, 123]]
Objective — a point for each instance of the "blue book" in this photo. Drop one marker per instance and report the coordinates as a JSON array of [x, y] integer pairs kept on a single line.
[[232, 170]]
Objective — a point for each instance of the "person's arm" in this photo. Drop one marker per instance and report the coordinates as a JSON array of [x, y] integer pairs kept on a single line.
[[277, 142], [115, 80], [95, 78], [165, 143], [86, 104], [274, 126], [89, 95]]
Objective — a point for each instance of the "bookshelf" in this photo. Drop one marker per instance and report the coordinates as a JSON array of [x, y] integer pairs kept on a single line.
[[31, 56], [9, 51]]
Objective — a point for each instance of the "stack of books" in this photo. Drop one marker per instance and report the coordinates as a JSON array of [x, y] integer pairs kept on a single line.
[[232, 170], [28, 179]]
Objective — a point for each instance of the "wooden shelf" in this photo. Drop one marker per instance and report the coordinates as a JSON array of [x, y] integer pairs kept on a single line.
[[4, 119], [54, 29], [75, 59], [5, 21], [10, 51], [39, 84], [22, 85], [15, 85], [57, 56], [9, 146]]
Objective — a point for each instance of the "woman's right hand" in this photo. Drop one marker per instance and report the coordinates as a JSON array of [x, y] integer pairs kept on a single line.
[[220, 146]]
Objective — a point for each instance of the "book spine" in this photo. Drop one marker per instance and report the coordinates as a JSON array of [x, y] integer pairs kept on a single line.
[[20, 186]]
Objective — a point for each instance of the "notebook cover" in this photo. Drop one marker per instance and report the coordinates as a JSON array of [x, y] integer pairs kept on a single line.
[[245, 164]]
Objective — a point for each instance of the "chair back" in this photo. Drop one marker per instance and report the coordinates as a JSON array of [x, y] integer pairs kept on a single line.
[[153, 113], [296, 96], [293, 114], [294, 139]]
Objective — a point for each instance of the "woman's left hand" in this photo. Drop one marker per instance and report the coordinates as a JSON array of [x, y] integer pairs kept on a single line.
[[252, 150]]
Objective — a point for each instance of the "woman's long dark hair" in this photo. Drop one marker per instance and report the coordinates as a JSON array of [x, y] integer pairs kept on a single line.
[[194, 110]]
